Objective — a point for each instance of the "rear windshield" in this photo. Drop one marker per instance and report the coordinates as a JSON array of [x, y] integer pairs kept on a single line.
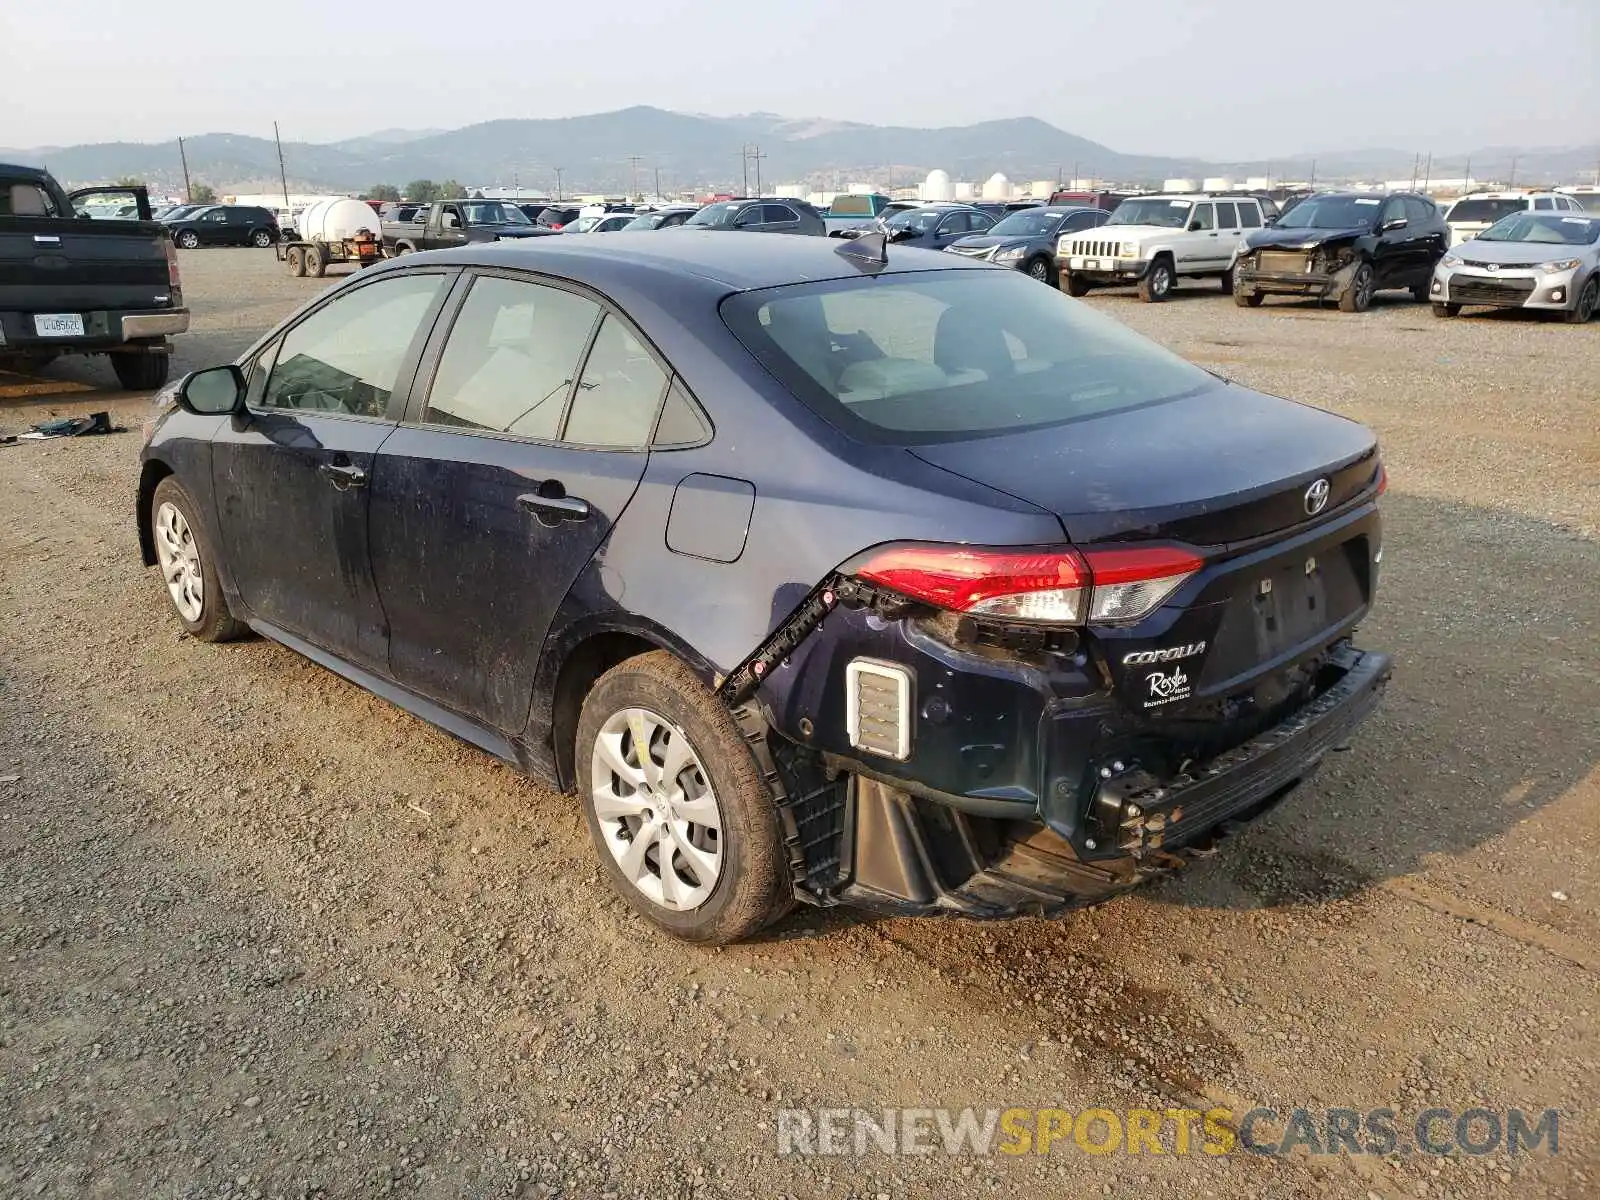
[[853, 206], [1486, 210], [941, 356]]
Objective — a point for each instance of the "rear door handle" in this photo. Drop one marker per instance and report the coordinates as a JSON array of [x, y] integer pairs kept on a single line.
[[344, 475], [562, 508]]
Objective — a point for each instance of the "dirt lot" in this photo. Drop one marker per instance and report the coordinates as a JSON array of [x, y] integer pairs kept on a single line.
[[264, 935]]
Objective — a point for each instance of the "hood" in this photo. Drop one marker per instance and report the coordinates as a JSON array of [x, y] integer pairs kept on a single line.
[[1299, 239], [988, 241], [1506, 254], [1221, 465]]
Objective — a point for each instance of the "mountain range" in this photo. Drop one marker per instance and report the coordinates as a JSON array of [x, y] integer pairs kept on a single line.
[[618, 151]]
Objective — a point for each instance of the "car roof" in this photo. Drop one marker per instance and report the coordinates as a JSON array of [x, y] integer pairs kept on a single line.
[[1506, 195], [662, 263]]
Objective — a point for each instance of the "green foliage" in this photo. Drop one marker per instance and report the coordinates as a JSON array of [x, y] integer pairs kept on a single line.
[[382, 191], [423, 191], [451, 190]]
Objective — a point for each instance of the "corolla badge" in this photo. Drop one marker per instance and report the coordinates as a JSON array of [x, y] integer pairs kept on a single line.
[[1317, 497], [1170, 654]]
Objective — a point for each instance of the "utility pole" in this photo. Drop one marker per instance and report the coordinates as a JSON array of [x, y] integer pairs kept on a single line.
[[755, 153], [658, 184], [744, 168], [1416, 165], [1313, 181], [1512, 182], [188, 192], [283, 176], [1466, 180], [516, 187], [558, 182], [1073, 182], [634, 163], [1427, 171]]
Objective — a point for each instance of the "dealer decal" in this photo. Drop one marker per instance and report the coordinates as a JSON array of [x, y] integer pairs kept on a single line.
[[1166, 686]]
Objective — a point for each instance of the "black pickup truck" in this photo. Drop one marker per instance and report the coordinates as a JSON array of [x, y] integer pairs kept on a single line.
[[456, 223], [72, 285]]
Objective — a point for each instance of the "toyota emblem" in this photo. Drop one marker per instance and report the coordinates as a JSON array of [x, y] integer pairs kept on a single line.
[[1317, 497]]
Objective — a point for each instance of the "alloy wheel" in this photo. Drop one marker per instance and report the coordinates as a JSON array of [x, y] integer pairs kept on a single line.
[[658, 814], [1040, 270], [180, 562]]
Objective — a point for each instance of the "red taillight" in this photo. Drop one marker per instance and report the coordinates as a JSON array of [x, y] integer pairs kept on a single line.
[[172, 264], [556, 227], [1107, 585]]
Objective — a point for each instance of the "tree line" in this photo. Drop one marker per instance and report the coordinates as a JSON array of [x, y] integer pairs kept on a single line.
[[422, 191]]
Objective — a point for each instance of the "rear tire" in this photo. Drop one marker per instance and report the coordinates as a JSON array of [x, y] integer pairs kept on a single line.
[[316, 265], [182, 550], [1158, 282], [296, 258], [1446, 310], [261, 238], [141, 372], [1076, 286], [1588, 302], [717, 782], [1357, 297]]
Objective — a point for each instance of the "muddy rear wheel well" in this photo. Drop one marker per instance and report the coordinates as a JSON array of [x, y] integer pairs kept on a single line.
[[589, 660], [151, 474]]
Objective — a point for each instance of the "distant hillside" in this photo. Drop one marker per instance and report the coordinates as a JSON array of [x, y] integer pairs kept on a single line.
[[596, 152]]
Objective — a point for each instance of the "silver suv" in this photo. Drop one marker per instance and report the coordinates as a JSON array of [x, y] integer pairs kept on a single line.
[[1153, 241]]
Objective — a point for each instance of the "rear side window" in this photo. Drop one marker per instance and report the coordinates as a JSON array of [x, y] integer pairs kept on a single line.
[[946, 355], [681, 423], [619, 394], [26, 200], [346, 356], [780, 212], [511, 358], [1544, 204], [1249, 216]]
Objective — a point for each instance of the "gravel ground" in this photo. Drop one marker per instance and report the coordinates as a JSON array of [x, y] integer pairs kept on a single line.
[[264, 935]]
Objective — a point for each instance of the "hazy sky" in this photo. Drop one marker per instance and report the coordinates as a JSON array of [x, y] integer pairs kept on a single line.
[[1224, 79]]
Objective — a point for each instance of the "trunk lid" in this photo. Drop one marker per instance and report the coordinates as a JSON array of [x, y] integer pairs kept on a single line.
[[1236, 475], [67, 265]]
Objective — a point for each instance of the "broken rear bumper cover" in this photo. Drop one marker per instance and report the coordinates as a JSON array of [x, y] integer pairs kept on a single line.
[[862, 840]]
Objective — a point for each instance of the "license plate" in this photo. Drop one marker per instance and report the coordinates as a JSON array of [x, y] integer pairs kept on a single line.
[[1087, 264], [58, 324]]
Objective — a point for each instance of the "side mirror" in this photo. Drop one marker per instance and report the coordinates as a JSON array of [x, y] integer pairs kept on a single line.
[[902, 234], [1268, 221], [1393, 223], [214, 392]]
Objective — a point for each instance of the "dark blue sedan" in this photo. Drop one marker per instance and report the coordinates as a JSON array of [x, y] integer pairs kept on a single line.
[[846, 574], [935, 226]]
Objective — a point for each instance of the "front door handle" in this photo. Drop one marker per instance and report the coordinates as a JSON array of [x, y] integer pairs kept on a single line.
[[344, 475], [560, 508]]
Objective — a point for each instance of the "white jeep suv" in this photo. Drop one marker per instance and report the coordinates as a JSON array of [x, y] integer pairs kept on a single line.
[[1153, 241]]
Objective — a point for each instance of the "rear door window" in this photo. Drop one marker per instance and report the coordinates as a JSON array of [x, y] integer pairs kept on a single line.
[[1226, 216], [26, 200], [619, 393], [511, 357], [345, 358]]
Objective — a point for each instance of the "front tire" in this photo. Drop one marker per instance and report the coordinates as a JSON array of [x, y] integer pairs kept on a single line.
[[1157, 283], [296, 258], [1446, 310], [188, 239], [188, 567], [316, 264], [1357, 297], [1588, 302], [1421, 291], [1039, 269], [685, 824], [141, 372], [1076, 286]]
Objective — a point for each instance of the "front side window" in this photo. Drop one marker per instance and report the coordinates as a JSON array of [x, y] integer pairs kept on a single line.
[[714, 214], [345, 358], [26, 200], [1203, 217], [219, 215], [619, 394], [511, 358], [947, 355]]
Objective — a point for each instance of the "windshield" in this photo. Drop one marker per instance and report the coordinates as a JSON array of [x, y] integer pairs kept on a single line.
[[715, 214], [918, 220], [1549, 228], [1028, 224], [1487, 211], [1167, 214], [494, 213], [647, 221], [1331, 212], [935, 356]]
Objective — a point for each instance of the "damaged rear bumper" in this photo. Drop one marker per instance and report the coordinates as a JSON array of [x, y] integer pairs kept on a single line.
[[863, 841]]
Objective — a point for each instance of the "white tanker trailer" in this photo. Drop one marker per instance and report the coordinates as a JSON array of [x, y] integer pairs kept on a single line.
[[333, 231]]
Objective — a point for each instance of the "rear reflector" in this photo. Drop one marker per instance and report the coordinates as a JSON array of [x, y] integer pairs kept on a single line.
[[878, 707], [1109, 585]]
